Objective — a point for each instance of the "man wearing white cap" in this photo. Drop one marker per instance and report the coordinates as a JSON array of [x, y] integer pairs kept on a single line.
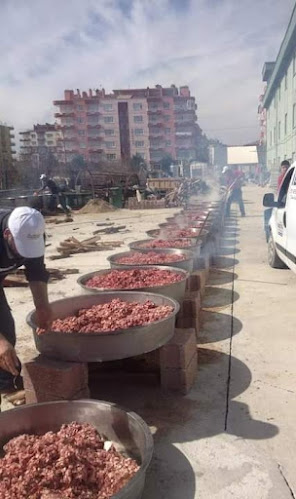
[[22, 242]]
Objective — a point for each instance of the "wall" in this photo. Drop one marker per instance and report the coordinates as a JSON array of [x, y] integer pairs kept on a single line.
[[281, 143]]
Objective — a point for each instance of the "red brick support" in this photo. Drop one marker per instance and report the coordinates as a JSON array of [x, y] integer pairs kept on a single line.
[[47, 380]]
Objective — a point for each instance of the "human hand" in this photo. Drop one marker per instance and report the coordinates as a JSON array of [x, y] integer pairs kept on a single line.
[[44, 317], [8, 358]]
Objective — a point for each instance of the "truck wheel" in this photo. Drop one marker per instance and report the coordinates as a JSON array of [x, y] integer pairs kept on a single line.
[[273, 258]]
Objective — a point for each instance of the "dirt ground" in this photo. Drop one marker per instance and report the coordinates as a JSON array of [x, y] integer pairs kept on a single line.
[[233, 435]]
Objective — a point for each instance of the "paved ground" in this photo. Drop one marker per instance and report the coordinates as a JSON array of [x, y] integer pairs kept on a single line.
[[233, 436]]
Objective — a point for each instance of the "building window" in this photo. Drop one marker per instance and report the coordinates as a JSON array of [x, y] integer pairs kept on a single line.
[[137, 106], [166, 117], [108, 119], [139, 143], [286, 81], [166, 105], [280, 88], [279, 130], [81, 132], [111, 157], [138, 119], [82, 145], [294, 64], [50, 142], [109, 131], [49, 134], [294, 115], [110, 145], [168, 143], [138, 153], [108, 107], [270, 138], [167, 131], [139, 131], [79, 107], [286, 124], [79, 120], [274, 135]]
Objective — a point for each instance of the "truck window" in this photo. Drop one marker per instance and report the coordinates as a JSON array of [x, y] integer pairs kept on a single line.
[[284, 189]]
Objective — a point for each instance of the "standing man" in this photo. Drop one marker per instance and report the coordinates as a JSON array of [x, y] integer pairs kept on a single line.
[[236, 180], [285, 165], [49, 183], [22, 242]]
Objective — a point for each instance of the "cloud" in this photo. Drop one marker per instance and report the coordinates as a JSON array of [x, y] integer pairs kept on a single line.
[[218, 47]]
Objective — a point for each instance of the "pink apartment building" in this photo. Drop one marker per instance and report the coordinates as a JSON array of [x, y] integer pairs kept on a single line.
[[152, 122]]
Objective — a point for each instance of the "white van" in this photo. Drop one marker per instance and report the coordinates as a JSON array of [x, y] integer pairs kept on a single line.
[[282, 223]]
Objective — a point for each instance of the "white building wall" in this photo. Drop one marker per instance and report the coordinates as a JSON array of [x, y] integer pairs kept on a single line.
[[281, 142]]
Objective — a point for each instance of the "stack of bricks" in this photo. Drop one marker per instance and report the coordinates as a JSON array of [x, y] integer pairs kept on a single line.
[[146, 204], [178, 361], [48, 380]]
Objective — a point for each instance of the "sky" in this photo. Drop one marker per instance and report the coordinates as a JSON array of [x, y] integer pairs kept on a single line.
[[217, 47]]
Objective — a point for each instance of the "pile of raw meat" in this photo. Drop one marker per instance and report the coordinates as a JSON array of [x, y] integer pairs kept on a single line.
[[134, 278], [182, 233], [151, 258], [71, 463], [166, 243], [111, 316]]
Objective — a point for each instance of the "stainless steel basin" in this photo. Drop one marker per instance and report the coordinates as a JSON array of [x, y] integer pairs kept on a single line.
[[186, 264], [194, 248], [175, 290], [99, 347], [116, 424]]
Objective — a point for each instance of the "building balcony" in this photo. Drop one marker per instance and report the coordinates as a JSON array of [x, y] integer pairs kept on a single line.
[[93, 113], [92, 126], [66, 114], [62, 102], [94, 139], [157, 123], [155, 111], [95, 150], [66, 127]]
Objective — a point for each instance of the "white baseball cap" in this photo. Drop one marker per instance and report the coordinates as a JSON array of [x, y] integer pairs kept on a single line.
[[27, 227], [43, 176]]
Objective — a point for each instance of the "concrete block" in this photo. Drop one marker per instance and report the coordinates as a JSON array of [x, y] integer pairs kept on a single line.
[[197, 281], [55, 379], [189, 322], [180, 380], [33, 397], [190, 305], [179, 351]]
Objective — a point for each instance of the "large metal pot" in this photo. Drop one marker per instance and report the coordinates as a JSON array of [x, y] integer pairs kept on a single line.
[[123, 427], [99, 347], [136, 246], [175, 290], [169, 234], [186, 264]]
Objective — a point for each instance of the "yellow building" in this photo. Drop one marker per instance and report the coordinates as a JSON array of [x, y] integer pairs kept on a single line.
[[7, 170]]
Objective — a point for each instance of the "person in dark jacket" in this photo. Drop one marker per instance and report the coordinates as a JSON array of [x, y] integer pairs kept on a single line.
[[22, 242], [235, 183], [52, 187]]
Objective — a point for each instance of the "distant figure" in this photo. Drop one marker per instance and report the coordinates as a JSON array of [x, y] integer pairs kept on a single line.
[[285, 165], [235, 183], [48, 183]]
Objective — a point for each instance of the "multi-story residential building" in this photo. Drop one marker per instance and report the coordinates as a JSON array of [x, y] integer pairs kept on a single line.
[[38, 142], [280, 103], [6, 156], [151, 122]]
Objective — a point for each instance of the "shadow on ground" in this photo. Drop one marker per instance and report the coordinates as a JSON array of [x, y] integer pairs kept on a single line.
[[224, 262], [217, 327], [218, 297], [219, 277]]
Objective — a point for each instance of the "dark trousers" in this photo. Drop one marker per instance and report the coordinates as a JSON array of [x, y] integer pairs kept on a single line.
[[8, 382], [235, 197]]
